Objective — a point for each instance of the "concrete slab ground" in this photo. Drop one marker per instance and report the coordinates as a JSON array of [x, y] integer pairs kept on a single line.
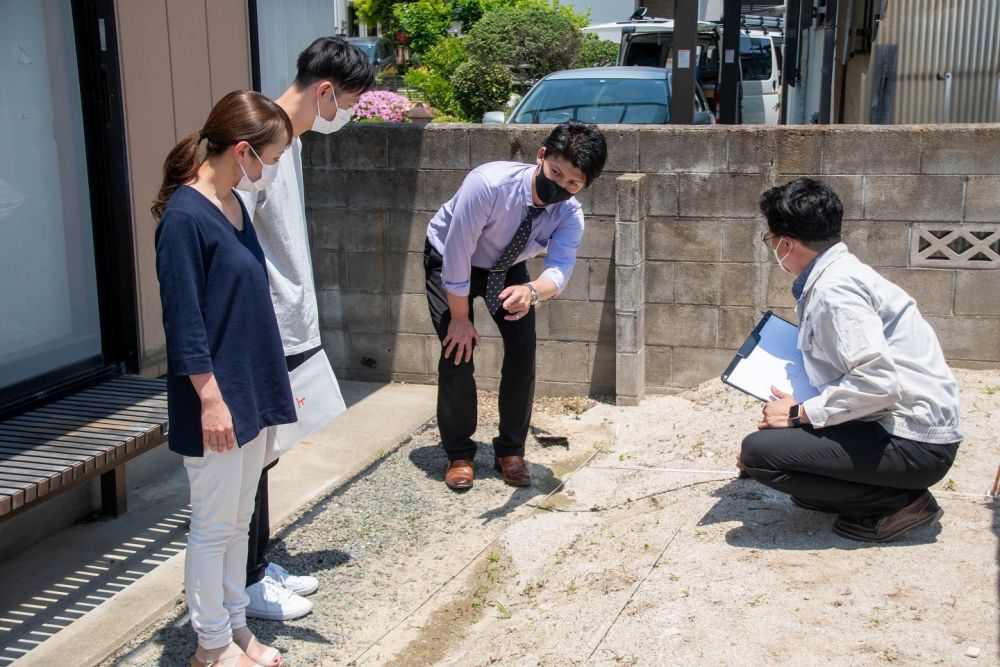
[[636, 545], [76, 597]]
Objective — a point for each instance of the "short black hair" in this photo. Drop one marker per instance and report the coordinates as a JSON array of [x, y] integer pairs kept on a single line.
[[336, 60], [804, 209], [583, 145]]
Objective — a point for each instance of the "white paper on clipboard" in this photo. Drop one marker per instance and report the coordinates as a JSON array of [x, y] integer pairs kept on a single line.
[[770, 357]]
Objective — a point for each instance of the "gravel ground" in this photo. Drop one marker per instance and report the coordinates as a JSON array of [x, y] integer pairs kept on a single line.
[[636, 545]]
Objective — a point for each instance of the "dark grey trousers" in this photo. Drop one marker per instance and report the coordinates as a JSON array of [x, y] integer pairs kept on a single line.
[[856, 468]]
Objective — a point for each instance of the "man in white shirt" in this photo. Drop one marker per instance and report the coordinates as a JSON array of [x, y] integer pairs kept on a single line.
[[885, 425], [331, 75]]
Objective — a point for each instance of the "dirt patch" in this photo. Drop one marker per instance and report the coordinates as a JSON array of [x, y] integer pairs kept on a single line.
[[450, 622]]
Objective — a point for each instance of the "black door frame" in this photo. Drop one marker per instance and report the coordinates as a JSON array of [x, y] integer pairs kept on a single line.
[[99, 69], [254, 33]]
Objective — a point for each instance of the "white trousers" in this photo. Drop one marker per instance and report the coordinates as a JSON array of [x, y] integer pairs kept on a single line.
[[223, 487]]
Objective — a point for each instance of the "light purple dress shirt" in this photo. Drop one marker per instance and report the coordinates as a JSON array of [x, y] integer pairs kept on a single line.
[[479, 222]]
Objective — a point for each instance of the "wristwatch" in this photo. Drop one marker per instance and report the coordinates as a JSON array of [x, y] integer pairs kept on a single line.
[[534, 293], [794, 415]]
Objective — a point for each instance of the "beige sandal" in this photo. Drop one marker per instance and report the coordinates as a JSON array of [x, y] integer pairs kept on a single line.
[[232, 656], [265, 656]]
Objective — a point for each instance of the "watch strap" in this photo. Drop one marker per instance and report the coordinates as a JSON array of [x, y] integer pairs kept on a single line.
[[794, 415], [534, 293]]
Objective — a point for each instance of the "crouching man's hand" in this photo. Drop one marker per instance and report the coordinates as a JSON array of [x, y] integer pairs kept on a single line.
[[776, 412]]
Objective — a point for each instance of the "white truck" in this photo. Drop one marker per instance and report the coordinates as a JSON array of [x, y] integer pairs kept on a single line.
[[649, 42]]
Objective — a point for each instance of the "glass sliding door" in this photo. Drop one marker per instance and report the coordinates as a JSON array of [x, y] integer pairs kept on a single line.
[[49, 316]]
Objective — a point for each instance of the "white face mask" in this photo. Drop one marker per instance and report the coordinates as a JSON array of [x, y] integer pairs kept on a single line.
[[324, 126], [780, 260], [267, 175]]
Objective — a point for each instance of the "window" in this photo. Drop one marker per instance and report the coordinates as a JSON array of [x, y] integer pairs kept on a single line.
[[755, 58], [49, 316], [644, 54], [612, 101]]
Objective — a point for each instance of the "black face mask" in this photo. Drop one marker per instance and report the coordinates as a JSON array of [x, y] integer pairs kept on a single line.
[[548, 190]]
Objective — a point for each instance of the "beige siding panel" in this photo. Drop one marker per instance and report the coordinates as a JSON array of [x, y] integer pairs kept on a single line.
[[178, 58], [149, 126], [189, 65], [228, 46]]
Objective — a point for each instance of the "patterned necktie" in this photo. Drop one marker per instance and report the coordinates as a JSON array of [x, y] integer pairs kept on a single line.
[[498, 274]]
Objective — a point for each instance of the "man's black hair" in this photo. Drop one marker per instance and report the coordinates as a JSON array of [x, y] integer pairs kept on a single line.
[[583, 145], [336, 60], [804, 209]]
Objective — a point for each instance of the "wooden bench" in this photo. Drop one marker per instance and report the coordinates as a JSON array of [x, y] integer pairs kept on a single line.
[[70, 441]]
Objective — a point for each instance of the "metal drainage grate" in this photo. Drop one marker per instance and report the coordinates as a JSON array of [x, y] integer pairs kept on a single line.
[[959, 246]]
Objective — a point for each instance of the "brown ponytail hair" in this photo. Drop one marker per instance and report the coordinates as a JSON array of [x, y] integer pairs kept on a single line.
[[242, 115]]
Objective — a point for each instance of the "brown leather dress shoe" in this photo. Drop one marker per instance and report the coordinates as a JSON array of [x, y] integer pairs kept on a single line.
[[459, 474], [920, 512], [513, 469]]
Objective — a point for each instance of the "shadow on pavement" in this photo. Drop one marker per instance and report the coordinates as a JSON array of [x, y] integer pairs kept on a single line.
[[770, 521], [178, 641], [431, 459], [309, 562], [89, 577]]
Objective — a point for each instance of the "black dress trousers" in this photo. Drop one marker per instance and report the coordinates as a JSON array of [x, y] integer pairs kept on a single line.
[[457, 402]]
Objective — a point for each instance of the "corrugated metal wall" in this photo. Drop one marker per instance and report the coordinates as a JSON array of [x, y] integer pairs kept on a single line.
[[945, 44]]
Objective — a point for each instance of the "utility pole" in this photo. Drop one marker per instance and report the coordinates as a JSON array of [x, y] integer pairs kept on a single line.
[[685, 59], [729, 79]]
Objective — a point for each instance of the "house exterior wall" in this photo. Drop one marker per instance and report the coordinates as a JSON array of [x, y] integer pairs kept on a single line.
[[178, 57]]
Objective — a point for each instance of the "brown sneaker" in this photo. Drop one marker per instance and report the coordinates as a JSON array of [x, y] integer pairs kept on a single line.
[[513, 469], [920, 512], [460, 474]]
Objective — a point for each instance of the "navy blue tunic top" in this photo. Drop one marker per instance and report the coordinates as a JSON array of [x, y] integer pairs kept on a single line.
[[218, 316]]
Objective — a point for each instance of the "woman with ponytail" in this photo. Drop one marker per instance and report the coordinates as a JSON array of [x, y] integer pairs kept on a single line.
[[227, 383]]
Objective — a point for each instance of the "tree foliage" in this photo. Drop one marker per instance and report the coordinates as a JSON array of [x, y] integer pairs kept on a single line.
[[425, 22], [470, 11], [596, 52], [532, 40], [375, 12], [432, 80], [445, 56], [480, 86], [465, 76]]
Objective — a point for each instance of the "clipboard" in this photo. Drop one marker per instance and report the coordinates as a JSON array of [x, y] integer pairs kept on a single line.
[[770, 356]]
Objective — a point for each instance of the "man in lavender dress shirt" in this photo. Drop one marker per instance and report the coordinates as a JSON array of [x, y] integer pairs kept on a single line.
[[504, 214]]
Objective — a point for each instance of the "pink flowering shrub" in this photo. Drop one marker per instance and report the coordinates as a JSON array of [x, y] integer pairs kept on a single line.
[[382, 105]]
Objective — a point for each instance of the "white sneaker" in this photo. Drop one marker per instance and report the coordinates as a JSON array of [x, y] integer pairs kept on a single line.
[[272, 601], [302, 585]]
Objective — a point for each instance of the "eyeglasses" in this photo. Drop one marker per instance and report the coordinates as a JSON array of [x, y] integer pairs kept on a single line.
[[766, 237]]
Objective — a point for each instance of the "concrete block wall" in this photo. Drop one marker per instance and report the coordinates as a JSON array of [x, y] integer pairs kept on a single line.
[[630, 288], [671, 275], [371, 190]]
